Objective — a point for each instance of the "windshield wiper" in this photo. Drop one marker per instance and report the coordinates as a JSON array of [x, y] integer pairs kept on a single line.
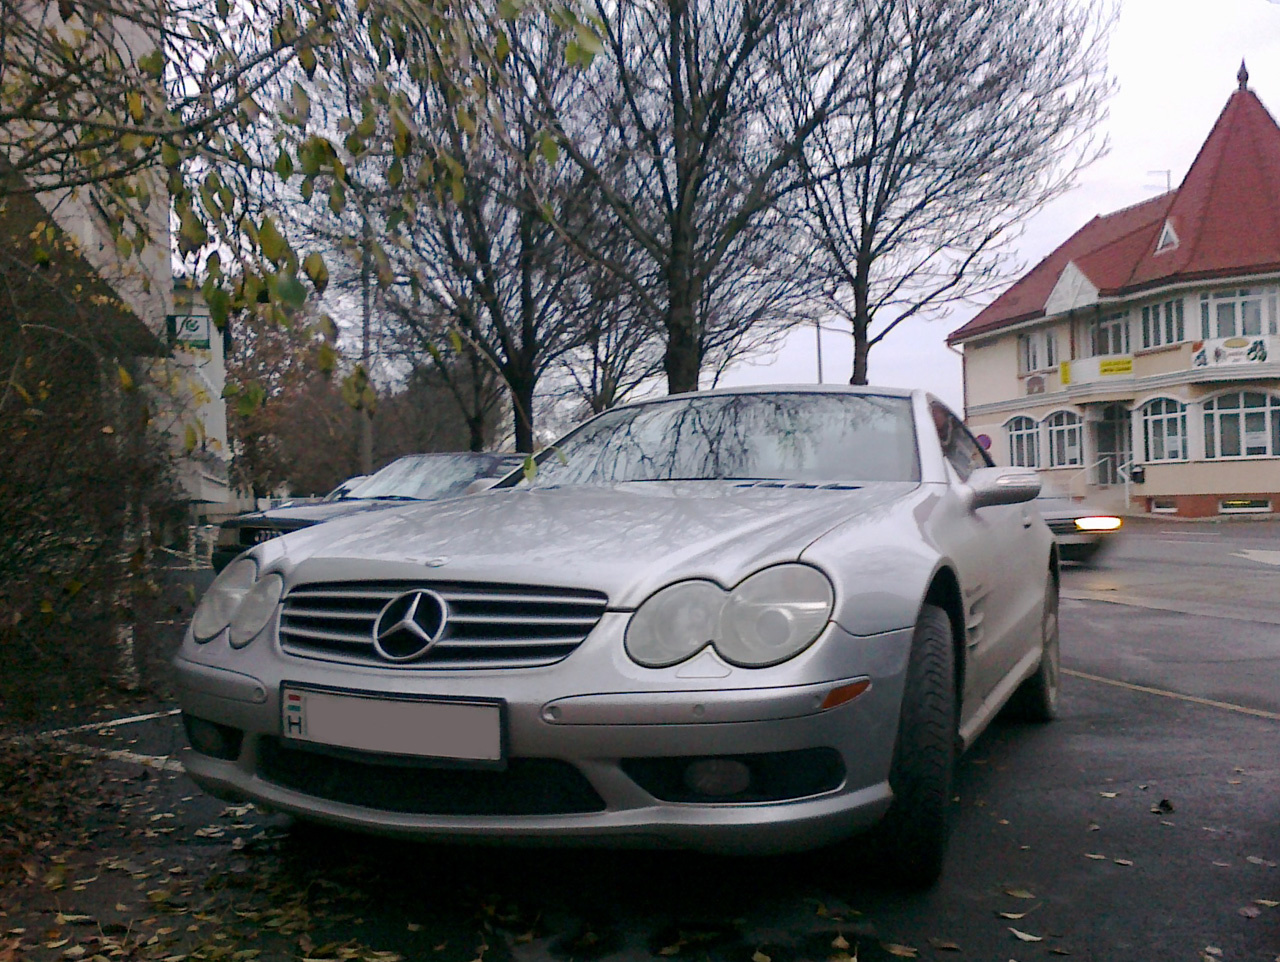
[[387, 497]]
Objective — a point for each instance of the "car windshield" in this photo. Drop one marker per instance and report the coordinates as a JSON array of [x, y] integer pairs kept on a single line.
[[424, 476], [807, 437]]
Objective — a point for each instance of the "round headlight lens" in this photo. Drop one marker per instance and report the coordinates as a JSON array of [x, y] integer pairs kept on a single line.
[[774, 615], [256, 610], [675, 624], [220, 602]]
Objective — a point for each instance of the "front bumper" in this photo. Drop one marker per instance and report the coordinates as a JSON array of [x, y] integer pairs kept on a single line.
[[595, 719]]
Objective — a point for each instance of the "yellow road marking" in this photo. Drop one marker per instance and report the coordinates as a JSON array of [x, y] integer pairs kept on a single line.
[[1226, 706]]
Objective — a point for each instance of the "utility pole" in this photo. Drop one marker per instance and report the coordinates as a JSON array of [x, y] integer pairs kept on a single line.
[[817, 330], [366, 294]]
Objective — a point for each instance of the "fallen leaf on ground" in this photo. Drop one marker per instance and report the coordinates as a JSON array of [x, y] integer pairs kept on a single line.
[[1095, 855], [1249, 911], [944, 945], [1212, 950], [1025, 936], [1268, 903], [1015, 916], [1109, 794], [760, 957], [1162, 807], [839, 942], [901, 951], [1019, 893], [1122, 861]]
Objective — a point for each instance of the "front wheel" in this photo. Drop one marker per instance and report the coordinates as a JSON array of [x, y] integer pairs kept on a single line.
[[1036, 699], [913, 835]]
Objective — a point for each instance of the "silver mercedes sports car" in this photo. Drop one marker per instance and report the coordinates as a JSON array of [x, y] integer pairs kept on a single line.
[[743, 621]]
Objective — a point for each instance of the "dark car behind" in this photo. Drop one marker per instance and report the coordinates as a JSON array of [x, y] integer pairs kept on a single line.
[[416, 477]]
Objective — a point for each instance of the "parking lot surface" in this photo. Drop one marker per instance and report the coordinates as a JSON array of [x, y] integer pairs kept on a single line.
[[1144, 824]]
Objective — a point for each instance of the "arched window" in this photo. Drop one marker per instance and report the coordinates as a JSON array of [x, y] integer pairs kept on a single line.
[[1164, 430], [1064, 439], [1024, 442], [1245, 424]]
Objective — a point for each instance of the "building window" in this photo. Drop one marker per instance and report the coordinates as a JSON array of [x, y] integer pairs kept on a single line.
[[1024, 442], [1244, 506], [1064, 439], [1110, 335], [1238, 313], [1162, 324], [1164, 429], [1245, 424], [1037, 352], [1168, 238]]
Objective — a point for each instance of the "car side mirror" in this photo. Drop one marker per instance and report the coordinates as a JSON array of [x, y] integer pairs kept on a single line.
[[988, 486], [481, 484]]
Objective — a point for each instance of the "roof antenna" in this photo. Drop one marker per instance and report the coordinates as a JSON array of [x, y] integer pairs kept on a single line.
[[1243, 76]]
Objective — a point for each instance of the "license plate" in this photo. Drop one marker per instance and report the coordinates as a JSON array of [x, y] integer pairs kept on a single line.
[[429, 728]]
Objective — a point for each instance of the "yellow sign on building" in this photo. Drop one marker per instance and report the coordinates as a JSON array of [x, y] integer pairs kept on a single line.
[[1064, 373], [1115, 365]]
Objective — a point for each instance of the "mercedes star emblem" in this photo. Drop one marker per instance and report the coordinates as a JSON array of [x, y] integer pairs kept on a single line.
[[409, 624]]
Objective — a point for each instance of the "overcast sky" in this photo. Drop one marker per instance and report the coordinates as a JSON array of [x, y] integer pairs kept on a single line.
[[1175, 62]]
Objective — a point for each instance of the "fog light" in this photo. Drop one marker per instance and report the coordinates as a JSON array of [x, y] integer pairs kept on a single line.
[[717, 776], [210, 738]]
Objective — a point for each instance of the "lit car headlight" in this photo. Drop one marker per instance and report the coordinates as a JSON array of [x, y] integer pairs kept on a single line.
[[771, 616], [1099, 523], [675, 623], [774, 615], [256, 610], [220, 602]]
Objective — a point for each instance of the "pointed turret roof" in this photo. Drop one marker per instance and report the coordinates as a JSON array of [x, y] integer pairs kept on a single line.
[[1223, 220]]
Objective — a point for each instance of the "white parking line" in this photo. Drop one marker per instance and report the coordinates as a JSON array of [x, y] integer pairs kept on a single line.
[[1225, 706], [114, 723]]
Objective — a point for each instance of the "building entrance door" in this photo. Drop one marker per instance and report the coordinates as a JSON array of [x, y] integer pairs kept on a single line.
[[1114, 443]]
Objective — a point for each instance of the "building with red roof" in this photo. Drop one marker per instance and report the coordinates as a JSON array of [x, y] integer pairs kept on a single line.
[[1140, 361]]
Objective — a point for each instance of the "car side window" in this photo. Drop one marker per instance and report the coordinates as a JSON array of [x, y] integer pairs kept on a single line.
[[958, 445]]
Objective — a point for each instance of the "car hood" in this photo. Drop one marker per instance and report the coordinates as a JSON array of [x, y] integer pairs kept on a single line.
[[304, 515], [625, 540]]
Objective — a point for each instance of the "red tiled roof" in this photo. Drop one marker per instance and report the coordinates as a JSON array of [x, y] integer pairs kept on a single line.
[[1226, 214]]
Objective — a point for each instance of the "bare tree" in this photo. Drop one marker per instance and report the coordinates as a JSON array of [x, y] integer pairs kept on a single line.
[[968, 116], [700, 148], [485, 269]]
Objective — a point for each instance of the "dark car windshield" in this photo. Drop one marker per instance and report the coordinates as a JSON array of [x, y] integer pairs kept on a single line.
[[425, 476], [785, 436]]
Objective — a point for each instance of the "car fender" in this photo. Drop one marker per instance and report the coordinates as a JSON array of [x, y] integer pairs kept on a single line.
[[881, 569]]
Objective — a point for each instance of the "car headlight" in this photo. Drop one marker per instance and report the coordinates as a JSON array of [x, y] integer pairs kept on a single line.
[[1099, 523], [675, 624], [771, 616], [774, 615], [220, 602], [256, 609]]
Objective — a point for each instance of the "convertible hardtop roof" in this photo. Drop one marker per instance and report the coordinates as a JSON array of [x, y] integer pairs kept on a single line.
[[868, 390]]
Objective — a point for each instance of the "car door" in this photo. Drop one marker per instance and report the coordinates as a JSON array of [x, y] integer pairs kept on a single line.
[[999, 574]]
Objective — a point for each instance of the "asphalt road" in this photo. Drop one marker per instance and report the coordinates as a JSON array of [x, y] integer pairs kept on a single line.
[[1143, 825]]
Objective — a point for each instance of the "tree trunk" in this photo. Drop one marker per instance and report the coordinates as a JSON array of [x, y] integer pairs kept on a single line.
[[861, 325], [475, 427], [522, 411], [683, 360]]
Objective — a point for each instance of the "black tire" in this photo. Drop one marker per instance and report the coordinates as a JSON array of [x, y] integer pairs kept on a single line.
[[913, 836], [1036, 699]]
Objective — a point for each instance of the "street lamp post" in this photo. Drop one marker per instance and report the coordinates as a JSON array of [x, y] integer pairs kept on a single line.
[[817, 330]]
